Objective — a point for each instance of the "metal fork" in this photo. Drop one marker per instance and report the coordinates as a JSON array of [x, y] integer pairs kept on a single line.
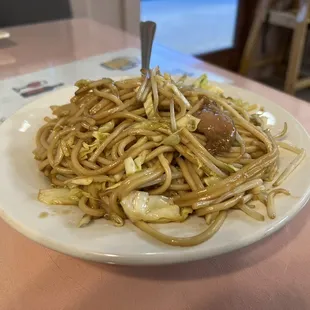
[[147, 33]]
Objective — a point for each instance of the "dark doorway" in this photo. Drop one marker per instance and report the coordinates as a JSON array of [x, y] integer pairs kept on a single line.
[[21, 12]]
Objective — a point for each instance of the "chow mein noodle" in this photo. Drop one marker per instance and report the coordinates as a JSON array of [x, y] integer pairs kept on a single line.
[[153, 149]]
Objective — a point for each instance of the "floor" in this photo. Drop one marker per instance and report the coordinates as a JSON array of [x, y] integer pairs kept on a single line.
[[304, 94], [192, 26], [278, 83]]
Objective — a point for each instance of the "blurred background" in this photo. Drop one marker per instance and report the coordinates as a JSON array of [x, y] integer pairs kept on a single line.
[[216, 31], [198, 27]]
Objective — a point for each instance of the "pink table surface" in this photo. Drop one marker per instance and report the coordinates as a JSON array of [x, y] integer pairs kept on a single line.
[[271, 274]]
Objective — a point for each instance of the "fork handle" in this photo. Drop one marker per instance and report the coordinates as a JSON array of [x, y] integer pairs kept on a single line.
[[147, 33]]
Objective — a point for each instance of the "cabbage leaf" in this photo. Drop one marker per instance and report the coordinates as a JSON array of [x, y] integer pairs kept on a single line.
[[140, 206]]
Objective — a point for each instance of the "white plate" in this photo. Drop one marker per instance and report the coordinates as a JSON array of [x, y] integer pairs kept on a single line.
[[103, 242]]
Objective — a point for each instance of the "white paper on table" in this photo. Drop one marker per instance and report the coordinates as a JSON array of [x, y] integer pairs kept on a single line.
[[89, 68]]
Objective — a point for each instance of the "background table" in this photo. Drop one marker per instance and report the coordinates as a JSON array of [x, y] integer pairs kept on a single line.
[[271, 274]]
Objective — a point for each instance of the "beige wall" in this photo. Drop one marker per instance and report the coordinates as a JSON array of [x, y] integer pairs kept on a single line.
[[132, 16], [124, 14]]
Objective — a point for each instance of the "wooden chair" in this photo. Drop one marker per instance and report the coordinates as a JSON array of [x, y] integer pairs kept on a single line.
[[297, 18]]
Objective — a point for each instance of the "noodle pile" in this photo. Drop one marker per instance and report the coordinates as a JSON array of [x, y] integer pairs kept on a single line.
[[119, 142]]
